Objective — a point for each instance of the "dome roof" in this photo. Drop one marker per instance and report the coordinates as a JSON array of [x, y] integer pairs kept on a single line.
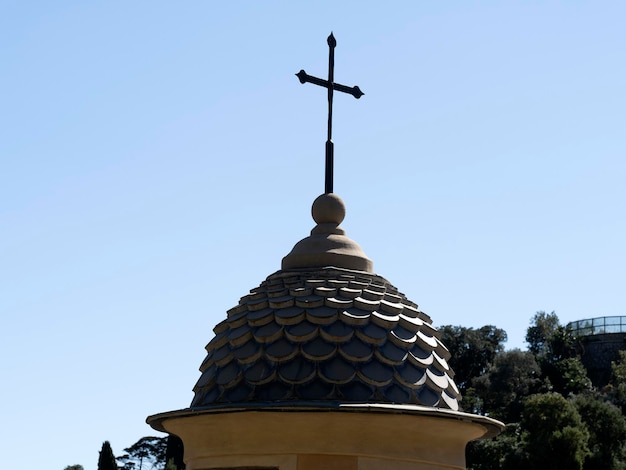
[[326, 329]]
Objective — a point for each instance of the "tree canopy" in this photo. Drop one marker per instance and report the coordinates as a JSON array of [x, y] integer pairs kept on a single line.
[[556, 417], [148, 452], [106, 460], [472, 350]]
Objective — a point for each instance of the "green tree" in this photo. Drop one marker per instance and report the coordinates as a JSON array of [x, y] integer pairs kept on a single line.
[[541, 329], [149, 450], [554, 435], [106, 459], [617, 387], [74, 467], [472, 350], [557, 352], [513, 376], [568, 376], [607, 432], [618, 368], [564, 345], [502, 452]]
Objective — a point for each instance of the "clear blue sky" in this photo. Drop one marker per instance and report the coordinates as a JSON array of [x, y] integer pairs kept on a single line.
[[160, 158]]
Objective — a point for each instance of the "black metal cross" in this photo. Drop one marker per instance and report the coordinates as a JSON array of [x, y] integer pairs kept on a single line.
[[330, 85]]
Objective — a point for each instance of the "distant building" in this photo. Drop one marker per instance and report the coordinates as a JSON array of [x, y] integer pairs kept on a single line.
[[602, 338]]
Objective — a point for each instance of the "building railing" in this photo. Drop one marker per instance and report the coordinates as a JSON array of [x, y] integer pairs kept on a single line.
[[598, 326]]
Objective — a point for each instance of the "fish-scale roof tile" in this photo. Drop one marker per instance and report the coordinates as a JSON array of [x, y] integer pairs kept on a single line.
[[354, 317], [420, 357], [384, 320], [297, 371], [410, 375], [450, 401], [349, 293], [371, 294], [396, 393], [221, 327], [257, 304], [282, 302], [337, 370], [208, 360], [206, 378], [248, 353], [326, 334], [260, 317], [357, 391], [277, 292], [282, 350], [223, 355], [300, 291], [364, 304], [310, 301], [241, 308], [239, 335], [237, 394], [301, 332], [268, 333], [391, 354], [318, 349], [261, 372], [337, 332], [440, 363], [376, 373], [436, 380], [334, 302], [405, 336], [237, 319], [228, 376], [356, 350], [359, 284], [426, 341], [290, 315], [428, 397], [321, 315], [442, 350], [325, 291], [372, 333]]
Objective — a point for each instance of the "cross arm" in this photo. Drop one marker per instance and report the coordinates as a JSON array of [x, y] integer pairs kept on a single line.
[[305, 77]]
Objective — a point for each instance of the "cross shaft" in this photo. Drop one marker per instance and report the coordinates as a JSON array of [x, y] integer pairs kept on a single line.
[[330, 85]]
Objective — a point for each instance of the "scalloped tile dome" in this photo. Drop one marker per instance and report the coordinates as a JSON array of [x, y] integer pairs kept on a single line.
[[326, 335]]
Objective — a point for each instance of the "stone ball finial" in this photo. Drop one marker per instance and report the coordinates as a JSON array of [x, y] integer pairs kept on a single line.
[[328, 209], [328, 244]]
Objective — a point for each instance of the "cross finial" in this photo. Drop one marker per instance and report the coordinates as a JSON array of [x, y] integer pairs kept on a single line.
[[330, 85]]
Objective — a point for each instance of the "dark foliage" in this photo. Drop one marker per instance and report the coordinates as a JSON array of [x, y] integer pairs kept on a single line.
[[556, 418], [514, 374], [148, 452], [472, 350], [174, 453], [607, 431], [106, 459]]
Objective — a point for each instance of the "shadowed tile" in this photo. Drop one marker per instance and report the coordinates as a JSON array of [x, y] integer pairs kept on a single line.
[[297, 371], [337, 370]]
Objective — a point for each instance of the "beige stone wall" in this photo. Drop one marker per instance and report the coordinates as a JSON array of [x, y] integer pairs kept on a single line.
[[327, 440]]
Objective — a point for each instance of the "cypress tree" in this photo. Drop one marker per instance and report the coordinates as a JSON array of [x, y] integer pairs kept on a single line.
[[106, 461]]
